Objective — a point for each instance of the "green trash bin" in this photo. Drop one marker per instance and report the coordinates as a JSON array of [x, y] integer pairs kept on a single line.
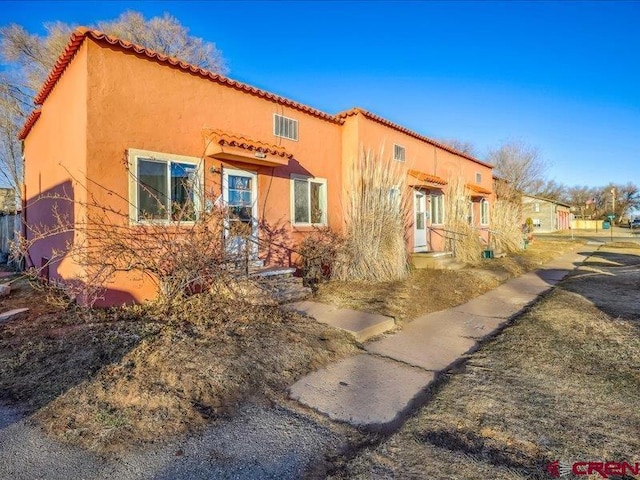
[[606, 225]]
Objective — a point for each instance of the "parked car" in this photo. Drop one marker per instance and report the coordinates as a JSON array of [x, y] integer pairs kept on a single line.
[[635, 223]]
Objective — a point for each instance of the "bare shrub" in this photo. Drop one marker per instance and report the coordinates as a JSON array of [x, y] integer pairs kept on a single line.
[[376, 217], [181, 256], [461, 237], [318, 252]]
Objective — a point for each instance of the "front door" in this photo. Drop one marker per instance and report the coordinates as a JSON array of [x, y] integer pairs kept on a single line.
[[420, 221], [240, 195]]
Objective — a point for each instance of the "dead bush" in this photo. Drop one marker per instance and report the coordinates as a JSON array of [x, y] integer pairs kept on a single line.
[[375, 247], [318, 252], [462, 238]]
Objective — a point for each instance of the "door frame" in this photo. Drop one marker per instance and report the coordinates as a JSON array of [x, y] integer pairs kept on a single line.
[[423, 247], [226, 172]]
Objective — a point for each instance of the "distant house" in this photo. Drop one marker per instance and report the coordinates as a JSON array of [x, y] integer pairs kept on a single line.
[[547, 215]]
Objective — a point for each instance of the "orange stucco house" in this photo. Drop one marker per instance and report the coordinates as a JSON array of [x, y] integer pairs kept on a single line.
[[109, 106]]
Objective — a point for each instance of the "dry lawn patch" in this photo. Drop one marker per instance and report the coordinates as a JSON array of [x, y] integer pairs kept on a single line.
[[426, 291], [560, 384], [130, 375]]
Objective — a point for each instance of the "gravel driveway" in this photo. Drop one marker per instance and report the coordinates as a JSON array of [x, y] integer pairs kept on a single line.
[[259, 442]]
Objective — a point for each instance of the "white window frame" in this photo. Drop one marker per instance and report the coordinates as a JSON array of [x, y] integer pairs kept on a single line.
[[536, 207], [324, 200], [478, 178], [296, 123], [404, 152], [432, 209], [484, 212], [134, 155]]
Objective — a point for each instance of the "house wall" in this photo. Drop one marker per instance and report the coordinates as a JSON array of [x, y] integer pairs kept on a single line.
[[363, 132], [134, 102], [109, 101], [55, 154]]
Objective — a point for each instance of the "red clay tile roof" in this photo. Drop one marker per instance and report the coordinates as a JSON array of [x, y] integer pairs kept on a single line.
[[78, 37], [400, 128], [81, 33], [425, 177], [224, 138], [30, 122], [478, 189]]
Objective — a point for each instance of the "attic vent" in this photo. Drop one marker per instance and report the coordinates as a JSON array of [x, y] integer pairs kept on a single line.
[[398, 153], [285, 127]]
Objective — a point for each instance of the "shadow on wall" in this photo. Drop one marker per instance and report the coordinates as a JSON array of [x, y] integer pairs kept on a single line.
[[48, 225]]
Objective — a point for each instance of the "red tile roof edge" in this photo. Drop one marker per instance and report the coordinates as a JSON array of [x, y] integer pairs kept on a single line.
[[478, 189], [246, 143], [28, 124], [426, 177], [400, 128], [79, 35]]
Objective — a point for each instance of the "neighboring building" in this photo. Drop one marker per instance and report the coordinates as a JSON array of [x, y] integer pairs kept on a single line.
[[547, 215], [110, 107]]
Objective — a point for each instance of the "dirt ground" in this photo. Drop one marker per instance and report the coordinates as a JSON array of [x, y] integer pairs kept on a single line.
[[425, 291], [561, 383], [111, 379]]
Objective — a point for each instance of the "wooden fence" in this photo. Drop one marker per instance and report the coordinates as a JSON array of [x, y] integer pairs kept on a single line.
[[10, 228]]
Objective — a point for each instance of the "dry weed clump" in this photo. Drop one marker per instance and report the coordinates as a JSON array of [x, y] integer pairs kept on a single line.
[[318, 253], [462, 238], [506, 228], [375, 221]]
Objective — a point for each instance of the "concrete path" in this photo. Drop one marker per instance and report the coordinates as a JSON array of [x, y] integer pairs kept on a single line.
[[375, 389], [361, 325]]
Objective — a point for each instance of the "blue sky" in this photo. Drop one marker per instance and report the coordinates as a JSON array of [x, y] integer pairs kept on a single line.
[[563, 76]]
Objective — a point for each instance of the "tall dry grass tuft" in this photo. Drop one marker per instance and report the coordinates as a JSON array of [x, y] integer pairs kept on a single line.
[[462, 238], [376, 216], [506, 231]]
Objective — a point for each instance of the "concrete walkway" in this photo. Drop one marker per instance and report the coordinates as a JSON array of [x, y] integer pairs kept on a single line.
[[376, 388]]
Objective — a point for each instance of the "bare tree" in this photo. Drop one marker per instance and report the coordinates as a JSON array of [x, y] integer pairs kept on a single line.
[[463, 146], [28, 59], [521, 165]]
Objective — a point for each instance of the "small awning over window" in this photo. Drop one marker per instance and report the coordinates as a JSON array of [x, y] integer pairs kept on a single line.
[[477, 190], [421, 179], [228, 146]]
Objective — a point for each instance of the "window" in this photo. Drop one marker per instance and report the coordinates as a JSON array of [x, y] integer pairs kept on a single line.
[[399, 152], [285, 127], [484, 212], [537, 222], [470, 214], [309, 201], [536, 207], [437, 209], [478, 178], [163, 187]]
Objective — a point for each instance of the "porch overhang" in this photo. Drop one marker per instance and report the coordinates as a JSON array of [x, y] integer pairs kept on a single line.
[[226, 146], [418, 179], [477, 191]]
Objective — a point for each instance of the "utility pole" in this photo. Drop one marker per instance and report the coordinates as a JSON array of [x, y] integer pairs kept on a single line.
[[613, 200]]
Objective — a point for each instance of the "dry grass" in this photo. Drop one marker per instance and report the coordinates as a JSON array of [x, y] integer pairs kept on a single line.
[[132, 375], [561, 383], [375, 221], [425, 291], [464, 242], [506, 229]]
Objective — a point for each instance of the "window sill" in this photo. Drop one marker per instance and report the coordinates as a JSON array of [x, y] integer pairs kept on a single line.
[[307, 227]]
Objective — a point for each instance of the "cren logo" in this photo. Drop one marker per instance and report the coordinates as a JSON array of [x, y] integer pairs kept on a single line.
[[559, 468]]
